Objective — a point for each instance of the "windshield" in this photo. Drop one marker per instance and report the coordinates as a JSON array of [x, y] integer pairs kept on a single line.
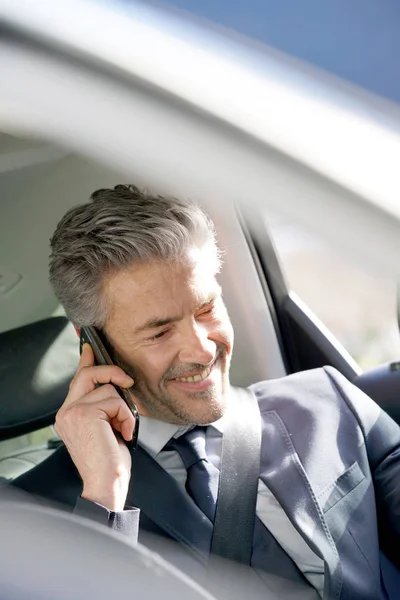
[[357, 41]]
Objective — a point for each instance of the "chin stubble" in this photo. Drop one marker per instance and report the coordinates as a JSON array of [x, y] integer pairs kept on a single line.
[[163, 406]]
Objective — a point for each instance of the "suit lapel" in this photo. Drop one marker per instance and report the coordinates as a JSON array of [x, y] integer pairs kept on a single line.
[[161, 499], [283, 473]]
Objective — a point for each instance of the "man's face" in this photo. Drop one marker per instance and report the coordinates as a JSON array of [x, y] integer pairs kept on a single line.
[[171, 332]]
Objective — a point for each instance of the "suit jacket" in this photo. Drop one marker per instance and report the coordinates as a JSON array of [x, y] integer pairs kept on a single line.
[[329, 455]]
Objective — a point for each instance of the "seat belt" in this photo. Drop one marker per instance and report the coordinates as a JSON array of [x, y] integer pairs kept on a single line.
[[238, 484]]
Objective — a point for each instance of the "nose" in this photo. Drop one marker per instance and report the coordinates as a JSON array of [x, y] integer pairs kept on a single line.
[[197, 347]]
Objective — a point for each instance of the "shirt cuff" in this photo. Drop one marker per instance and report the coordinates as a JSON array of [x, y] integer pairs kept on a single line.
[[126, 521]]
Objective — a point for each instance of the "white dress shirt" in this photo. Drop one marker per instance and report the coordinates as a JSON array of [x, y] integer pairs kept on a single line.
[[153, 435]]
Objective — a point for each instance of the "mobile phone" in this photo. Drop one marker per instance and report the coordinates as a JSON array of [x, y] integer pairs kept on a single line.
[[90, 335]]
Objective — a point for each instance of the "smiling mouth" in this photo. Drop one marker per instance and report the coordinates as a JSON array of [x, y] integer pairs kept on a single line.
[[194, 378]]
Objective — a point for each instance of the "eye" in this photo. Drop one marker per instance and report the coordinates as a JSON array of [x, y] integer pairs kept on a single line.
[[207, 310], [206, 315], [158, 336]]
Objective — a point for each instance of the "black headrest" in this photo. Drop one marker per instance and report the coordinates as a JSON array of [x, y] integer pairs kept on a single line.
[[37, 363]]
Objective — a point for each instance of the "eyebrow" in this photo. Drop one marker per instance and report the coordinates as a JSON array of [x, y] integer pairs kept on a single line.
[[155, 323]]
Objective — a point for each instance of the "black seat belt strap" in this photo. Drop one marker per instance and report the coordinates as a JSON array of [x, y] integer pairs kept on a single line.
[[239, 473]]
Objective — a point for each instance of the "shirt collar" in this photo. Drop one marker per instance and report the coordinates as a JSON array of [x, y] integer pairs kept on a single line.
[[154, 434]]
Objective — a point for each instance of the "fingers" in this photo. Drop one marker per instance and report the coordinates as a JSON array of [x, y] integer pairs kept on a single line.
[[114, 410], [89, 376], [87, 357], [124, 424], [102, 404], [118, 414]]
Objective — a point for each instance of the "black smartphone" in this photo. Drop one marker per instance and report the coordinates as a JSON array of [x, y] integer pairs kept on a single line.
[[90, 335]]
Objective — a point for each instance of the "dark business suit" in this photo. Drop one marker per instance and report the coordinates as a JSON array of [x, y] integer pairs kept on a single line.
[[330, 457]]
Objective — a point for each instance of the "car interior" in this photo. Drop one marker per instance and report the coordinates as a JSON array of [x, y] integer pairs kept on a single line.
[[275, 334], [39, 347], [253, 132]]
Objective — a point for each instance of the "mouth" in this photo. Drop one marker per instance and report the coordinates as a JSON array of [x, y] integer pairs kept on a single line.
[[195, 378], [199, 381]]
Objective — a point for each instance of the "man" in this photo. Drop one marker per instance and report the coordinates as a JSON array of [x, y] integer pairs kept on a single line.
[[142, 269]]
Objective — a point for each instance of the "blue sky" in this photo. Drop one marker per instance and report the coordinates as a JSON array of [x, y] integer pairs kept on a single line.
[[359, 40]]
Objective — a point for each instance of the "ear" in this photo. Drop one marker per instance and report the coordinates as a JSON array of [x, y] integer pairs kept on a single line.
[[78, 331]]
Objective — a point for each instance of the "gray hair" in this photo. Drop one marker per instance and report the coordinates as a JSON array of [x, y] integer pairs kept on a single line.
[[119, 227]]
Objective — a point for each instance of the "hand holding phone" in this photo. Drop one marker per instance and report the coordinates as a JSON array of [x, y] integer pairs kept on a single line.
[[87, 421], [90, 335]]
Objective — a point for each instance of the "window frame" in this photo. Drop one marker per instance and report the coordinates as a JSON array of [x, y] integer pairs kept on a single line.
[[305, 342]]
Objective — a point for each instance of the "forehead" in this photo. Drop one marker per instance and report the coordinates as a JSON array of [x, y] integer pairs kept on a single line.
[[160, 288]]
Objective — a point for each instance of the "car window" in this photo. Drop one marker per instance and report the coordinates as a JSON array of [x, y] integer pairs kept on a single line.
[[357, 304]]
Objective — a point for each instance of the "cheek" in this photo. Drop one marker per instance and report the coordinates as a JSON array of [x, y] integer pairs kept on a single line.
[[153, 364]]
